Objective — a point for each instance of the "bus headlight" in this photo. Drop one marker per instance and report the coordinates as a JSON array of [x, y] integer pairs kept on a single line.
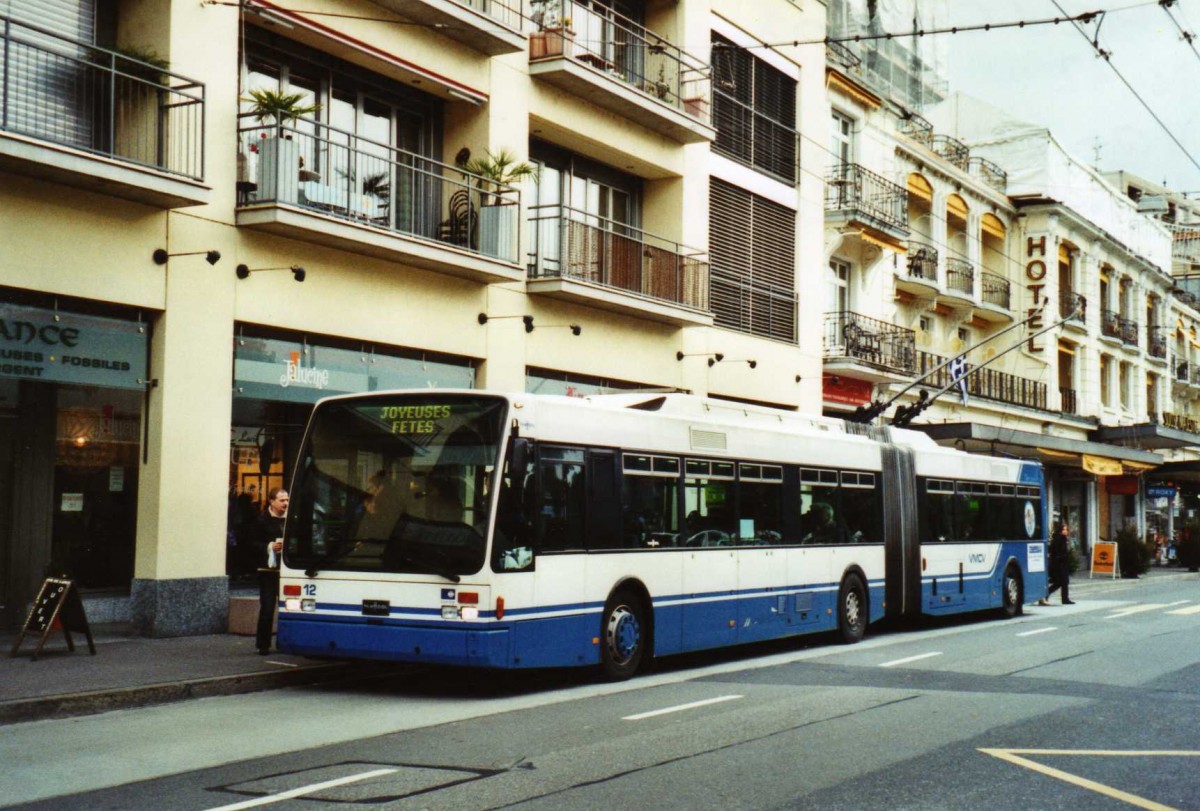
[[449, 612], [469, 612], [292, 604]]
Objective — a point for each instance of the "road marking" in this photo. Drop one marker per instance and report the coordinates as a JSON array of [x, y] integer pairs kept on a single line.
[[282, 664], [1184, 612], [1137, 609], [1178, 602], [910, 659], [1039, 631], [300, 792], [679, 708], [1012, 756]]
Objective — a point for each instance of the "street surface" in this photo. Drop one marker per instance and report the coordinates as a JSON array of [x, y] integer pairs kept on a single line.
[[1095, 705]]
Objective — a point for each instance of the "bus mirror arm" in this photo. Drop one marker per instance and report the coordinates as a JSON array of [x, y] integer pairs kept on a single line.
[[518, 459]]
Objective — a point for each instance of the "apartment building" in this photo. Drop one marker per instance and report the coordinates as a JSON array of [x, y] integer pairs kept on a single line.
[[192, 258]]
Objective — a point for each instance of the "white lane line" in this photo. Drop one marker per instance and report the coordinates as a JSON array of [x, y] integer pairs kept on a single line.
[[300, 792], [1178, 602], [1185, 612], [1137, 609], [1039, 631], [910, 659], [282, 664], [679, 708]]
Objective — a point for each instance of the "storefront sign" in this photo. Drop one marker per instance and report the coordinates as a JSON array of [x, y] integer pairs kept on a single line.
[[1035, 277], [271, 369], [847, 390], [63, 347], [1122, 485], [1104, 559], [1158, 491], [72, 502], [1101, 466]]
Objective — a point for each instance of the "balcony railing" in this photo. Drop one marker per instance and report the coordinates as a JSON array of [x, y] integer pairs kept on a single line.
[[338, 174], [1110, 324], [1180, 422], [507, 12], [960, 276], [572, 244], [986, 383], [598, 36], [853, 189], [753, 307], [989, 172], [952, 149], [922, 262], [996, 290], [1182, 371], [1185, 242], [1068, 303], [1069, 401], [1128, 331], [869, 341], [1187, 297], [839, 53], [918, 129], [76, 95], [1156, 344]]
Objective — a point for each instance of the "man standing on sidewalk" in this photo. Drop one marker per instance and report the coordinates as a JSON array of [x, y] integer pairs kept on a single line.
[[1060, 563], [268, 545]]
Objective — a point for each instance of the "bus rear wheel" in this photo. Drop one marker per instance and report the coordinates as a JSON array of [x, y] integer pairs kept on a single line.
[[1011, 598], [623, 636], [852, 609]]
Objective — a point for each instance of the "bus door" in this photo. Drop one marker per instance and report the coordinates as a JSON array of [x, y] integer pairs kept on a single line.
[[901, 547]]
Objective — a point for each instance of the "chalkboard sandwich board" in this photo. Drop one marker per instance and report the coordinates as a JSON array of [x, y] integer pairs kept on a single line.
[[57, 605]]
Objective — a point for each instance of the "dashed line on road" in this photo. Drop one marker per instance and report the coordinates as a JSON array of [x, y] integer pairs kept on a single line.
[[679, 708], [908, 659], [1136, 609], [300, 792], [282, 664], [1186, 612], [1039, 631]]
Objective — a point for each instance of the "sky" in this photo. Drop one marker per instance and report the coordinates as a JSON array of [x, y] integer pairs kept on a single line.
[[1050, 75]]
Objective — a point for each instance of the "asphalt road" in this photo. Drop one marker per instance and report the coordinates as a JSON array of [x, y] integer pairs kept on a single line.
[[1092, 706]]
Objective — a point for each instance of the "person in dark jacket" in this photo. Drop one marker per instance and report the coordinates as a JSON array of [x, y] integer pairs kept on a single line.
[[1060, 565], [267, 537]]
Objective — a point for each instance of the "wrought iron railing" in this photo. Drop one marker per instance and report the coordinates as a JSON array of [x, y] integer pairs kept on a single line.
[[952, 149], [73, 94], [336, 173], [753, 307], [996, 290], [869, 341], [922, 262], [1181, 369], [1110, 323], [1185, 241], [1073, 306], [986, 383], [750, 137], [1128, 331], [1068, 401], [1187, 297], [1156, 343], [839, 53], [917, 128], [1180, 422], [572, 244], [507, 12], [852, 188], [596, 35], [960, 276], [990, 173]]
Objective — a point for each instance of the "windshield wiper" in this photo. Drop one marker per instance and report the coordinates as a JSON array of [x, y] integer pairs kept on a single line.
[[433, 568]]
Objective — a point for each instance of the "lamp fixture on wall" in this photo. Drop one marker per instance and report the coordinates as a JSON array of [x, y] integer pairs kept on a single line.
[[160, 256], [527, 319], [713, 357], [298, 273], [753, 364]]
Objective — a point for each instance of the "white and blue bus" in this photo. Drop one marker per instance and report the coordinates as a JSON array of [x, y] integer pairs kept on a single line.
[[521, 530]]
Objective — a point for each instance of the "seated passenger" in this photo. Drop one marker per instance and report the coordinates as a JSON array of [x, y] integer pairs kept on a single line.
[[820, 525]]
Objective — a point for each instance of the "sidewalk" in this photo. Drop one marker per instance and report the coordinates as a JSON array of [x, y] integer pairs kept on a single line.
[[129, 671]]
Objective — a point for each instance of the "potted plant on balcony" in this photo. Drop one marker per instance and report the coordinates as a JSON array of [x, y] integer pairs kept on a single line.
[[498, 213], [279, 156], [554, 36]]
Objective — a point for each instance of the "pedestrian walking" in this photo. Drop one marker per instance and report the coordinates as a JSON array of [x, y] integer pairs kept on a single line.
[[1060, 564], [268, 545]]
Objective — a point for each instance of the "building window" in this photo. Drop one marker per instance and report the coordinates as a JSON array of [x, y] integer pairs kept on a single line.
[[1125, 383], [754, 110], [753, 252], [1105, 380], [841, 143], [839, 286]]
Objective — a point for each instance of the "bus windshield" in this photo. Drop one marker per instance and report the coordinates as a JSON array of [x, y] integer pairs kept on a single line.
[[396, 483]]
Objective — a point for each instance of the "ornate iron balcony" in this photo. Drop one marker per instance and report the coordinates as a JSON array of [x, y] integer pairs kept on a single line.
[[922, 262], [1068, 303], [857, 191], [989, 172], [952, 149], [1110, 324], [960, 276], [1157, 342], [1128, 331], [918, 129], [987, 383], [869, 341], [1069, 401], [996, 290]]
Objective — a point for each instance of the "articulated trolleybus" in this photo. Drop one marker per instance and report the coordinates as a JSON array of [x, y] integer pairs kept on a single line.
[[518, 531]]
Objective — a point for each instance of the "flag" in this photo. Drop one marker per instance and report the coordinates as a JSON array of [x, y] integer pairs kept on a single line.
[[958, 375]]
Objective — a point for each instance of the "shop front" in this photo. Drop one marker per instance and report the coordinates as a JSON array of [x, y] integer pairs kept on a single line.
[[278, 377], [71, 402]]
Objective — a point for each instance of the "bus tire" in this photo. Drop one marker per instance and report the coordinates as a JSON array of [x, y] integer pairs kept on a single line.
[[1012, 597], [852, 609], [623, 636]]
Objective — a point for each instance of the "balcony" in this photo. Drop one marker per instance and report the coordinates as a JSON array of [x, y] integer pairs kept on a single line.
[[1128, 331], [960, 280], [996, 295], [838, 53], [1069, 401], [867, 348], [1186, 297], [918, 275], [1110, 324], [492, 27], [1156, 343], [597, 54], [855, 195], [1185, 372], [590, 260], [753, 307], [1072, 307], [986, 384], [990, 173], [953, 150], [319, 184], [918, 129], [96, 119], [1185, 242]]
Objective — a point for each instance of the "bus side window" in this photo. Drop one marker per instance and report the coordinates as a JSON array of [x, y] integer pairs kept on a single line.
[[820, 507], [969, 506], [937, 511], [760, 505], [649, 502], [861, 507], [559, 518], [709, 493]]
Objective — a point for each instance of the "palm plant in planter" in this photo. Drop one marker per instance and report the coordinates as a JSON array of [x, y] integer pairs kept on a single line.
[[496, 171], [279, 155]]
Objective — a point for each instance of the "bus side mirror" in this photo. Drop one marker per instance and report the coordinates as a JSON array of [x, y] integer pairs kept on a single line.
[[518, 459]]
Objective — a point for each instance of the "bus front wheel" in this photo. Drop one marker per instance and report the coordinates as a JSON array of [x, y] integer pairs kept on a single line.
[[852, 609], [1010, 592], [623, 635]]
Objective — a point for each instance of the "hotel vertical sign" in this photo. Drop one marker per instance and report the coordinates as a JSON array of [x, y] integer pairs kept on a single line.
[[1035, 282]]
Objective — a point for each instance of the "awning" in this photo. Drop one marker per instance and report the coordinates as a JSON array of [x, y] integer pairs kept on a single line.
[[1145, 435], [1050, 450]]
